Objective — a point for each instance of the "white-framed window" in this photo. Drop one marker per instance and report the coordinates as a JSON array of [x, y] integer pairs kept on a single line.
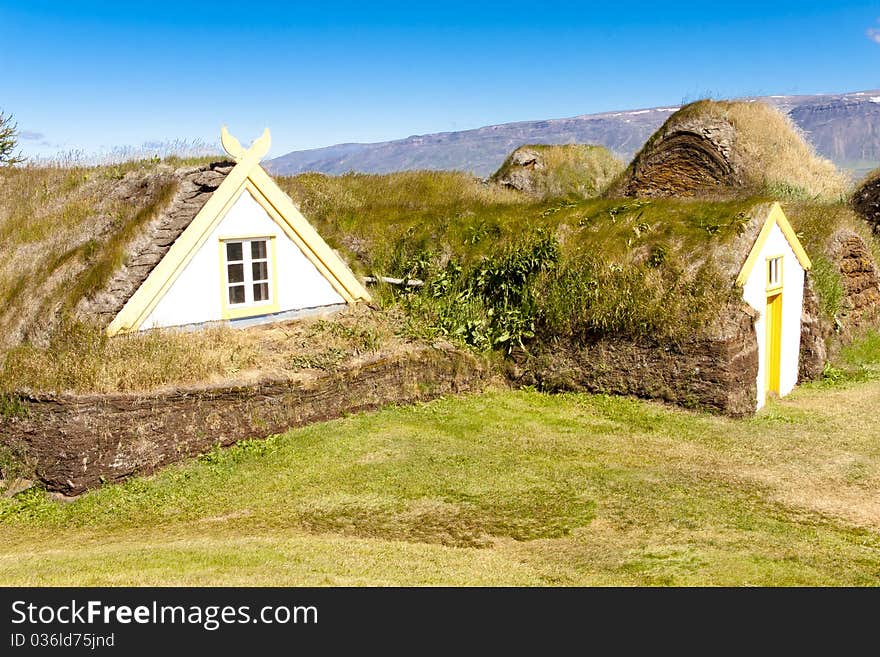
[[774, 272], [247, 272]]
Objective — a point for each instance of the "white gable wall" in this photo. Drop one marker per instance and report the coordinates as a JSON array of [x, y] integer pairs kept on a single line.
[[195, 296], [755, 294]]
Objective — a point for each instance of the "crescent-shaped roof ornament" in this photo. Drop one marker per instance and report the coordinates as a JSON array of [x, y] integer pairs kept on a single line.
[[230, 144], [257, 150], [261, 145]]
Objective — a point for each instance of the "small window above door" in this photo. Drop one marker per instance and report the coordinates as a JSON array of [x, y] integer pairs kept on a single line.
[[774, 273]]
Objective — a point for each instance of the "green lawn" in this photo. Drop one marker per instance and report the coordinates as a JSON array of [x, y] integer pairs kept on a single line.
[[499, 488]]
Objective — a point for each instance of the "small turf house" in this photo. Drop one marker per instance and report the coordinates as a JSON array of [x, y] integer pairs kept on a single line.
[[772, 281], [733, 284], [714, 152], [247, 255]]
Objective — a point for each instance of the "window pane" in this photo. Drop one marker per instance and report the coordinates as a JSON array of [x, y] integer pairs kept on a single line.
[[260, 271], [261, 292], [236, 294], [258, 249], [235, 273], [774, 271], [233, 251]]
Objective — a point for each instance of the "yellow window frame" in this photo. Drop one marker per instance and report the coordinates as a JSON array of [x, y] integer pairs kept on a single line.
[[238, 311], [773, 288]]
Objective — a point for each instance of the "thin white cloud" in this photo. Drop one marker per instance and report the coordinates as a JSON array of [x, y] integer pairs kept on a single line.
[[31, 135], [874, 34]]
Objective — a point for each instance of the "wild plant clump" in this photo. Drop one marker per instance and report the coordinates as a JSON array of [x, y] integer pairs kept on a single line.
[[531, 289], [492, 304]]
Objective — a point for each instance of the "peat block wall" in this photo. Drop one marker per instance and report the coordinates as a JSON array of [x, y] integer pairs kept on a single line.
[[712, 373], [860, 278], [75, 442], [816, 336]]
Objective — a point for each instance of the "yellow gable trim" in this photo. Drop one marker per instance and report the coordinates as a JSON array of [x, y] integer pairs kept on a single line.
[[247, 174], [144, 300], [301, 231], [791, 236], [774, 217], [295, 237]]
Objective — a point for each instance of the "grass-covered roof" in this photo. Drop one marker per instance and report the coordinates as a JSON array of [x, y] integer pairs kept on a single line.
[[720, 148], [63, 233], [559, 171], [389, 223], [656, 268]]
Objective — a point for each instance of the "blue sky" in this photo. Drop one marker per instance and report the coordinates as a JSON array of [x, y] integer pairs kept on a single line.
[[91, 76]]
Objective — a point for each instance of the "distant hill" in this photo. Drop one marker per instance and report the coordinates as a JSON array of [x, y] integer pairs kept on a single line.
[[842, 127]]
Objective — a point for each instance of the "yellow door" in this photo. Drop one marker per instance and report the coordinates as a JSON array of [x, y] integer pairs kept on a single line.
[[774, 341]]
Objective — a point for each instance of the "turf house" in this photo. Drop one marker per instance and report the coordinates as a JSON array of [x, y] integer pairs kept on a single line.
[[246, 253]]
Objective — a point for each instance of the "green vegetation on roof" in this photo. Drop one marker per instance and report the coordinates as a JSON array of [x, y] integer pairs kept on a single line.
[[501, 270], [817, 224], [500, 267], [559, 171], [64, 232], [383, 221]]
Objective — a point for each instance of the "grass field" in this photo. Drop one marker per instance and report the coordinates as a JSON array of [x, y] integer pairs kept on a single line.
[[517, 488]]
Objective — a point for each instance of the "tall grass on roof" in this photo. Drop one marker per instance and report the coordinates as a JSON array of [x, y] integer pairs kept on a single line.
[[63, 231], [768, 154], [777, 157], [633, 268], [562, 170]]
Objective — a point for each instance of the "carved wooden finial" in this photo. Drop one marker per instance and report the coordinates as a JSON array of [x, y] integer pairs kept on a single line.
[[261, 144], [232, 146]]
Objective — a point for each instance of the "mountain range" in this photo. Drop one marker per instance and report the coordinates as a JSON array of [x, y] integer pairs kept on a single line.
[[842, 127]]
